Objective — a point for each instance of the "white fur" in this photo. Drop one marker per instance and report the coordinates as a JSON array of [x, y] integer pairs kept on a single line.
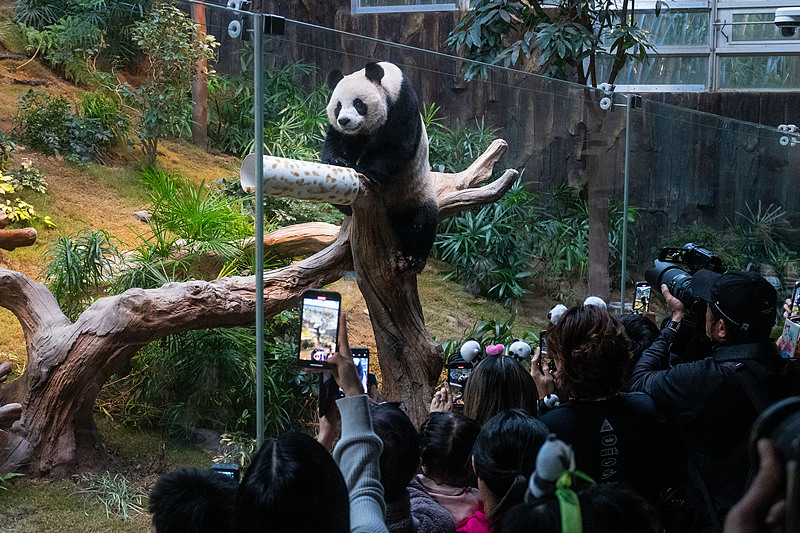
[[377, 97]]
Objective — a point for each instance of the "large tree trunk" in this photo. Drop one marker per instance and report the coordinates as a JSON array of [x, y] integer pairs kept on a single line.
[[68, 363], [200, 85]]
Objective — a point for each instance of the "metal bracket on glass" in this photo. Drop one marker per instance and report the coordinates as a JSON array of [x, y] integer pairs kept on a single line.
[[608, 100], [236, 27], [791, 135]]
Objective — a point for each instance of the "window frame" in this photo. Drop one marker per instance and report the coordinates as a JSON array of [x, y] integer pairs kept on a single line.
[[720, 46], [453, 5]]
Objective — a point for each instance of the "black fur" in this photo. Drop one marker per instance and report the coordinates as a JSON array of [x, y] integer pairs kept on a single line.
[[381, 156]]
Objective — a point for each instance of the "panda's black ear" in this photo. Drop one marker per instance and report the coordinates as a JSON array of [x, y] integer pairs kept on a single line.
[[374, 72], [334, 77]]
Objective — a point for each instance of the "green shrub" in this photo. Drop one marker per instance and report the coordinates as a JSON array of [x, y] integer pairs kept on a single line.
[[490, 250], [294, 119], [454, 149], [18, 211], [166, 36], [49, 125], [560, 233], [7, 150], [28, 177], [108, 112], [77, 266], [40, 13], [71, 44]]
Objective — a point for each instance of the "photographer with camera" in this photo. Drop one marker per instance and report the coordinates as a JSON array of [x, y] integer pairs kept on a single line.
[[713, 402]]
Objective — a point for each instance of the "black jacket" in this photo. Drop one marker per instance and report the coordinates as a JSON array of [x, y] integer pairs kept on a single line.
[[712, 404]]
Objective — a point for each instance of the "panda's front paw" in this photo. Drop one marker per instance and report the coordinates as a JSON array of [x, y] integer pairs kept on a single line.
[[406, 263], [337, 162]]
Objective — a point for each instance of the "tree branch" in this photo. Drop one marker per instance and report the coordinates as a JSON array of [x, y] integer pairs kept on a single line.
[[139, 316], [31, 302], [479, 172], [458, 201]]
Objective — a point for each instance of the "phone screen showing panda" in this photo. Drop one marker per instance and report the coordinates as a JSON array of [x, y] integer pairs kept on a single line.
[[319, 327], [457, 375]]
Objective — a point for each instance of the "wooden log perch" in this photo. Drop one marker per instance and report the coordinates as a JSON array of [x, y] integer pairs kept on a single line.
[[16, 238]]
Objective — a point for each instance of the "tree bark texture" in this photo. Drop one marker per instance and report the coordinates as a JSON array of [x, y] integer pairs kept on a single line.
[[17, 238], [200, 85], [68, 363]]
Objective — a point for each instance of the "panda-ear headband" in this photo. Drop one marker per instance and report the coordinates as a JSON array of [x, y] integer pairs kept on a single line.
[[471, 350], [555, 474]]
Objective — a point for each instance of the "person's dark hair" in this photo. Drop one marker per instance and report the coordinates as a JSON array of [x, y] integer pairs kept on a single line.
[[293, 485], [446, 446], [504, 456], [498, 383], [193, 501], [399, 460], [605, 508], [641, 332], [591, 352]]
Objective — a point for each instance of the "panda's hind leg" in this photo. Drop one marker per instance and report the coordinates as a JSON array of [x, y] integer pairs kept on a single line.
[[415, 229]]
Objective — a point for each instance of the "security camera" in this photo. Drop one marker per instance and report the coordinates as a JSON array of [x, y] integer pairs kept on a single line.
[[788, 20]]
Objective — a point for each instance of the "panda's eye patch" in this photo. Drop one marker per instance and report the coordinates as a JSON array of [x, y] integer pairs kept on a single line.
[[337, 110], [360, 106]]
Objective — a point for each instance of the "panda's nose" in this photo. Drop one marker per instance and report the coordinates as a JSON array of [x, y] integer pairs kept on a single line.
[[344, 121]]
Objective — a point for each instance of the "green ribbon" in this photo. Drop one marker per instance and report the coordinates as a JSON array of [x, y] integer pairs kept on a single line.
[[571, 521]]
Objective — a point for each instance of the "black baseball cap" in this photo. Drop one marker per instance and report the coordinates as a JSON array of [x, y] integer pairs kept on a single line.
[[745, 299]]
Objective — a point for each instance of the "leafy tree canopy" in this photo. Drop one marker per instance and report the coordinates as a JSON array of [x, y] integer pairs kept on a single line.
[[571, 35]]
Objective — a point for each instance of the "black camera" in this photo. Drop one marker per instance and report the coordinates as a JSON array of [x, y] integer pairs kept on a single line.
[[675, 267]]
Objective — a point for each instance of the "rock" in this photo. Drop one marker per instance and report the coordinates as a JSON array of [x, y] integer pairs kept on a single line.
[[143, 216]]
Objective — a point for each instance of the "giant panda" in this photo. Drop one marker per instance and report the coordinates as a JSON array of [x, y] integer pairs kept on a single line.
[[375, 127]]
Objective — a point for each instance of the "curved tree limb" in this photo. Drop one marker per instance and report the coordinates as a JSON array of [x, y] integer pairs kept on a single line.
[[31, 302], [458, 201], [479, 172]]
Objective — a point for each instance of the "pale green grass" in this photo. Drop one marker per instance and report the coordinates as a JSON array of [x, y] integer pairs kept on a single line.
[[36, 506]]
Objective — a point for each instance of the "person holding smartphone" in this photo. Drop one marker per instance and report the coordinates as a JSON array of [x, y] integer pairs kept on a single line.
[[295, 486]]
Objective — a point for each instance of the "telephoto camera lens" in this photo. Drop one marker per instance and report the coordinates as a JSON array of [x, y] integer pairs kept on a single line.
[[676, 279]]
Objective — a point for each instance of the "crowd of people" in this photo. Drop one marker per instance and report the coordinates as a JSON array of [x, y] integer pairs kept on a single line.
[[642, 431]]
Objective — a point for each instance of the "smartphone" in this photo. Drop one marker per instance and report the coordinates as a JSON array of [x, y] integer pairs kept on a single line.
[[796, 299], [319, 328], [543, 342], [230, 470], [641, 301], [457, 375], [361, 360]]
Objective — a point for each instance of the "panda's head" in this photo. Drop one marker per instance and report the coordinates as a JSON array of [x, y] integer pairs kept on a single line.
[[360, 101]]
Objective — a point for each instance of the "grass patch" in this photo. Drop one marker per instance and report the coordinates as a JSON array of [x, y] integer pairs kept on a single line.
[[125, 181], [194, 163], [12, 341], [137, 448], [450, 312], [38, 506]]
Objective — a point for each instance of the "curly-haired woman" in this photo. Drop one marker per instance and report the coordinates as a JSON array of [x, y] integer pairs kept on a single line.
[[616, 435]]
